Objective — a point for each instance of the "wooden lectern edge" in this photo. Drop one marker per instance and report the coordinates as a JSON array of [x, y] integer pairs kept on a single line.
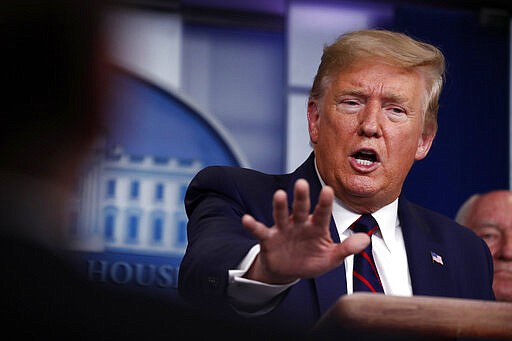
[[420, 315]]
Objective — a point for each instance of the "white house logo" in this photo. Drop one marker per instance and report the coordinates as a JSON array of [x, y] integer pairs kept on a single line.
[[128, 223], [132, 205]]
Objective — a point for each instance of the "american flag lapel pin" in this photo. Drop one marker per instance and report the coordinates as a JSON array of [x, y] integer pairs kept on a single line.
[[436, 258]]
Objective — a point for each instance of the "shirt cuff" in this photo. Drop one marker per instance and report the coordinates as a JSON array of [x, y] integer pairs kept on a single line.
[[249, 297]]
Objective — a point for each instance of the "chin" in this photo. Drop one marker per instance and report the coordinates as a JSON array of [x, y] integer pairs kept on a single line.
[[503, 296], [503, 289], [363, 187]]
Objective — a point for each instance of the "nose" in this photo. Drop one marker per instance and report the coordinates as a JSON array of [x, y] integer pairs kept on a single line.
[[369, 120]]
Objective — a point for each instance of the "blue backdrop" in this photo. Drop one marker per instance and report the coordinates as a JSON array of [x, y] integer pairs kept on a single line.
[[471, 151]]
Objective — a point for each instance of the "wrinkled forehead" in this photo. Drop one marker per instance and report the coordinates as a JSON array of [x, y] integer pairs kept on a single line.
[[375, 77], [365, 63], [495, 207], [498, 199]]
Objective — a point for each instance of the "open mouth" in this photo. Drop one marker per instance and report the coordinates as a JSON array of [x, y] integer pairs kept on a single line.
[[365, 157]]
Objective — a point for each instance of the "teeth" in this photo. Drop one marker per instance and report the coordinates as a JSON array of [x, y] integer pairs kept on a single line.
[[364, 162]]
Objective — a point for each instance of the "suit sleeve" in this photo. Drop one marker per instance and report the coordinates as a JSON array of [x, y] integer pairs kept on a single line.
[[217, 240]]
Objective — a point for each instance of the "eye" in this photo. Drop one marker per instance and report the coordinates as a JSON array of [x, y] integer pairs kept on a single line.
[[395, 113], [351, 102], [489, 237], [349, 105], [489, 234]]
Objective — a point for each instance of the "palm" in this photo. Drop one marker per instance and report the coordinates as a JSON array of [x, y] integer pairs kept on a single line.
[[299, 245]]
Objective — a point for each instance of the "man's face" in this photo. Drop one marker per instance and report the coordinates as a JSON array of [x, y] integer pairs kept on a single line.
[[491, 219], [367, 130]]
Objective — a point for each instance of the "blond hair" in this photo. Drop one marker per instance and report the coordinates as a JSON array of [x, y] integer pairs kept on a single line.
[[392, 47]]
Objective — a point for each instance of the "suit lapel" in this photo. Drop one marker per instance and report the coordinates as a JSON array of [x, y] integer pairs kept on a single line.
[[326, 292], [428, 276]]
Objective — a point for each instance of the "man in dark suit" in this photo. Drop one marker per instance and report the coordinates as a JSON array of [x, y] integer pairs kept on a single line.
[[279, 249]]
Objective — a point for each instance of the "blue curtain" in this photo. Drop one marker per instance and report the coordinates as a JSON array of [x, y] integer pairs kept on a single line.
[[471, 151]]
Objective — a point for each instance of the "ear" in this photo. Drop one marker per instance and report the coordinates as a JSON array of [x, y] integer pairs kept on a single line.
[[424, 143], [313, 120]]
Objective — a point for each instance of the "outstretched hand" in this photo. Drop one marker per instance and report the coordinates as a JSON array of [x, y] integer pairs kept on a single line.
[[299, 245]]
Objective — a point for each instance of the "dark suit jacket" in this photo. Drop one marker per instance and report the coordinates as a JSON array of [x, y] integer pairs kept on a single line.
[[219, 196]]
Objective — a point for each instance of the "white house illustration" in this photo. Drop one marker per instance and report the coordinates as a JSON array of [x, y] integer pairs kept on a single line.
[[132, 204]]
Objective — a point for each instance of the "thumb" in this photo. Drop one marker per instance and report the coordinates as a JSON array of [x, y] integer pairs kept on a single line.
[[352, 245]]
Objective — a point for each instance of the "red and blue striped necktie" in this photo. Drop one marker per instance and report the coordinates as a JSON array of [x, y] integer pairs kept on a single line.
[[366, 277]]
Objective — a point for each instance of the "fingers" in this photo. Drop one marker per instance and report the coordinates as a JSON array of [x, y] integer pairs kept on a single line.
[[301, 203], [300, 210], [280, 205], [352, 245], [322, 213], [280, 213], [259, 230]]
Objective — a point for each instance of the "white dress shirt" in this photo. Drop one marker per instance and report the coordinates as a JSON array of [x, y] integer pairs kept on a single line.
[[387, 246], [253, 298]]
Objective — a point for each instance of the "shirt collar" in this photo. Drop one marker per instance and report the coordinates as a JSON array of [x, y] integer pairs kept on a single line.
[[386, 217]]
